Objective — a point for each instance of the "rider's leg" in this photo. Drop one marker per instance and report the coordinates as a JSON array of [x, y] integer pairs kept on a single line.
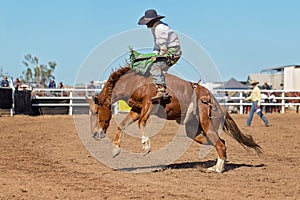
[[159, 79]]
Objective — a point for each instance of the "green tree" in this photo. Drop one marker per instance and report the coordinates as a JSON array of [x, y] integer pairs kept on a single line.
[[37, 73]]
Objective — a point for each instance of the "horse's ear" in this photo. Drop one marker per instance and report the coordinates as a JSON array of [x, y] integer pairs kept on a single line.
[[96, 100], [93, 106], [88, 99]]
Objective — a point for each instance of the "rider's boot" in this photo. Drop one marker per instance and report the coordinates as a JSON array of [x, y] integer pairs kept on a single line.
[[160, 94]]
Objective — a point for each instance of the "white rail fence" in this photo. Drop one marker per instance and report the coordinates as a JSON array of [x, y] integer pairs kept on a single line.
[[76, 98], [281, 100]]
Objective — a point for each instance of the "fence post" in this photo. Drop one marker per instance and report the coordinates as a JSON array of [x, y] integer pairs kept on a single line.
[[241, 103], [71, 103], [13, 102], [283, 102]]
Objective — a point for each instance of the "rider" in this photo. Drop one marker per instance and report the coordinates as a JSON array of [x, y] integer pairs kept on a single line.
[[166, 45]]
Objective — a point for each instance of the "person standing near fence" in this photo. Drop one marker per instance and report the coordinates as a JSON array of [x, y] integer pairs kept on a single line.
[[52, 84], [272, 99], [18, 84], [91, 88], [5, 82], [255, 98]]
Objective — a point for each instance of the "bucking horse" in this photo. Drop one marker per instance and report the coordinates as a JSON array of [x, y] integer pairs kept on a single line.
[[189, 104]]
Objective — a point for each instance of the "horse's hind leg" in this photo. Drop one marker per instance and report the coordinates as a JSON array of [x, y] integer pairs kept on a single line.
[[219, 144], [211, 138], [127, 121]]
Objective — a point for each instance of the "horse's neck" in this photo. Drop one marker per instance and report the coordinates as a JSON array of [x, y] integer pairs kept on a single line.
[[107, 94], [126, 85]]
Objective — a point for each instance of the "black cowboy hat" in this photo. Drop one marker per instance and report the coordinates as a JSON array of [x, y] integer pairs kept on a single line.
[[150, 16]]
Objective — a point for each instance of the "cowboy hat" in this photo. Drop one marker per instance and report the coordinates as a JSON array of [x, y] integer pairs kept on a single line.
[[150, 16], [254, 82]]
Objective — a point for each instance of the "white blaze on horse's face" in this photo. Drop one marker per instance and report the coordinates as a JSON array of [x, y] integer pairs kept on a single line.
[[99, 121], [93, 120]]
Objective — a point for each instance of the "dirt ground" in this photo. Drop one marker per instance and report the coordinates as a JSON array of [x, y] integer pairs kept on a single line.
[[43, 158]]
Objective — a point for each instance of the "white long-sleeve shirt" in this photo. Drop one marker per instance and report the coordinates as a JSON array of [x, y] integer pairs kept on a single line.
[[165, 39]]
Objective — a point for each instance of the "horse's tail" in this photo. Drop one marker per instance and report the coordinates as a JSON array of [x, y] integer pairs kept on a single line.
[[232, 129]]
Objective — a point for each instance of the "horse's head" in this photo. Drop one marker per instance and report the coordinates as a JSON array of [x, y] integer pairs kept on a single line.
[[100, 115]]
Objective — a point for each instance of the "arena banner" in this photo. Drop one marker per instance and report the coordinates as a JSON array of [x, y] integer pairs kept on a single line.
[[6, 99]]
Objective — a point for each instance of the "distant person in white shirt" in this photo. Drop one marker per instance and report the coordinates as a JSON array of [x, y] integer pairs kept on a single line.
[[272, 99], [166, 44], [264, 99], [91, 87]]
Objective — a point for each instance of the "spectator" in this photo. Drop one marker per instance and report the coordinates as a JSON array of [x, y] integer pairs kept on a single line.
[[90, 87], [281, 86], [264, 99], [60, 85], [246, 107], [18, 84], [272, 99], [266, 86], [227, 97], [4, 82], [52, 84]]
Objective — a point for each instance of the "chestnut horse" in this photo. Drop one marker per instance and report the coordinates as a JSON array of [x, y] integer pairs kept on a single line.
[[290, 99], [293, 94], [189, 104]]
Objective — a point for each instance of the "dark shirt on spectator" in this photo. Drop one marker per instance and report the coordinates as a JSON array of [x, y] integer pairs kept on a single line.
[[52, 84], [4, 82]]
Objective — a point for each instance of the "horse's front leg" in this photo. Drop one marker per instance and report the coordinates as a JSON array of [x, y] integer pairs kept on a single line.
[[145, 113], [127, 121], [145, 141]]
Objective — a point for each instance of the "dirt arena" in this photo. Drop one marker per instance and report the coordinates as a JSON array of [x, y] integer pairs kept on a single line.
[[43, 158]]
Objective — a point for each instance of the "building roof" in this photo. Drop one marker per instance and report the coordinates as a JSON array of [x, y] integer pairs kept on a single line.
[[278, 69], [233, 84]]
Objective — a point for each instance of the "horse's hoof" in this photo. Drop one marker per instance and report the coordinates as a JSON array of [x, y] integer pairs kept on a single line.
[[214, 169], [211, 169], [96, 137], [146, 145], [99, 135], [116, 151]]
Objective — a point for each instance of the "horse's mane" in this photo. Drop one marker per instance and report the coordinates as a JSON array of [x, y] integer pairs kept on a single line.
[[106, 94]]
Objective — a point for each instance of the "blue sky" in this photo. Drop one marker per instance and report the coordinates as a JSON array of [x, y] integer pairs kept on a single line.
[[240, 36]]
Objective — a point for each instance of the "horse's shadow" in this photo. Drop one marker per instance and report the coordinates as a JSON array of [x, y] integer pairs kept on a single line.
[[202, 166], [206, 164]]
